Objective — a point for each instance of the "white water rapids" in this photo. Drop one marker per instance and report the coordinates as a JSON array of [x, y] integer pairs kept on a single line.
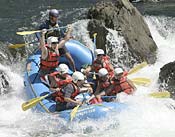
[[146, 117]]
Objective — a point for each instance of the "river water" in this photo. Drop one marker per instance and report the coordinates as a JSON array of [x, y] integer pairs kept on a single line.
[[147, 117]]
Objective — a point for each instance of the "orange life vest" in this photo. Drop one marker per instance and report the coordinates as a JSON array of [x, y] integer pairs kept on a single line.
[[104, 84], [59, 95], [104, 63], [51, 62], [121, 85], [60, 80]]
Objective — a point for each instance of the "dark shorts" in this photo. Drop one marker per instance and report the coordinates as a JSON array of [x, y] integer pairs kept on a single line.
[[60, 106], [64, 106]]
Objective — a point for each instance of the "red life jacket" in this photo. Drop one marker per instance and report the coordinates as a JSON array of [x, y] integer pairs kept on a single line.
[[104, 63], [51, 62], [60, 80], [105, 84], [121, 85], [59, 96]]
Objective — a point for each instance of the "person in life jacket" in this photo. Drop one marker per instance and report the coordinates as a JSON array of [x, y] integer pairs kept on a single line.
[[58, 79], [65, 98], [120, 83], [102, 61], [53, 22], [50, 54], [103, 84]]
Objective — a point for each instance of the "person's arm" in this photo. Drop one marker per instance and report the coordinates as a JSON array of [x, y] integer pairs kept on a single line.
[[69, 100], [65, 39], [44, 52], [109, 89], [60, 44], [98, 89], [111, 67], [68, 33], [71, 61], [69, 89], [89, 87], [54, 89], [44, 25]]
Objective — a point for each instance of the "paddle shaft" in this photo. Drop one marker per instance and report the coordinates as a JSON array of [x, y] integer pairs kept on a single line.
[[33, 102], [138, 81], [163, 94], [21, 45], [137, 67], [32, 32], [95, 46]]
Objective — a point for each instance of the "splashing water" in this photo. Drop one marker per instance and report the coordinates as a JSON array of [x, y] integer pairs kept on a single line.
[[146, 117]]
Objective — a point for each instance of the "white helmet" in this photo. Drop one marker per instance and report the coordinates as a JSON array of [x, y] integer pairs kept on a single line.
[[77, 76], [99, 52], [51, 39], [102, 72], [63, 68], [118, 71]]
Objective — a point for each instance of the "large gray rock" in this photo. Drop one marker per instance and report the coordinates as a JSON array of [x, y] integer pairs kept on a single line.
[[122, 16], [167, 78]]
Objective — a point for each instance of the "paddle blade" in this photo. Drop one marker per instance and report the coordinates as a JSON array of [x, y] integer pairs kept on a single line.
[[141, 81], [137, 68], [161, 94], [17, 45], [95, 35], [27, 32], [33, 102], [74, 112]]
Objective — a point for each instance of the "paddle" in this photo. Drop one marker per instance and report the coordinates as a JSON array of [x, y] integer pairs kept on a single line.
[[74, 112], [16, 45], [138, 81], [20, 45], [161, 94], [137, 68], [94, 37], [33, 102], [94, 40], [141, 81], [158, 94], [35, 31]]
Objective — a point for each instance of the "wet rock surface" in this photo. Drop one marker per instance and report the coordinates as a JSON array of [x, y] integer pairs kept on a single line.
[[122, 16]]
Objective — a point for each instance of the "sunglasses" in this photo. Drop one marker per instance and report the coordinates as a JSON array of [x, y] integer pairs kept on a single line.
[[105, 76], [54, 43], [52, 16], [99, 55], [119, 75]]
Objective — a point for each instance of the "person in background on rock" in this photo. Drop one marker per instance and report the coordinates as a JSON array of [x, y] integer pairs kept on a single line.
[[102, 61], [119, 83], [65, 97], [59, 33], [50, 54]]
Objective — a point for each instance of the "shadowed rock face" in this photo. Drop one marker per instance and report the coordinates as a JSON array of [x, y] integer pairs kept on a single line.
[[4, 84], [167, 78], [122, 16]]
